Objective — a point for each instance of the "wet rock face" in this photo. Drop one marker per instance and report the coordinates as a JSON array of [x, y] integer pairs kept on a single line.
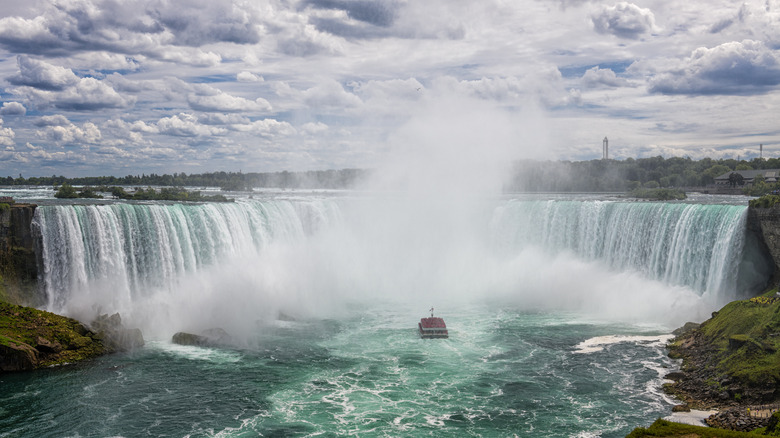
[[18, 257], [765, 224]]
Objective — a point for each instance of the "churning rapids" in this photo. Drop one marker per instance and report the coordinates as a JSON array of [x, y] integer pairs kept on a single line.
[[558, 311]]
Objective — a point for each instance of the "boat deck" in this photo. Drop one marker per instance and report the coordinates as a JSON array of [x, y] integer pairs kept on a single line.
[[433, 327]]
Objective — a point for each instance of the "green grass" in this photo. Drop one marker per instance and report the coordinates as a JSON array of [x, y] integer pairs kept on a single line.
[[747, 337], [3, 296], [664, 428]]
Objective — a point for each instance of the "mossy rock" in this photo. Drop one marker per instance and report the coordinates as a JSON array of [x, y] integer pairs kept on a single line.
[[32, 338], [737, 341], [79, 342]]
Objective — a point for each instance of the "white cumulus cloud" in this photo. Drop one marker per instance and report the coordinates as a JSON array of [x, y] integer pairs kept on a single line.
[[624, 20], [744, 67]]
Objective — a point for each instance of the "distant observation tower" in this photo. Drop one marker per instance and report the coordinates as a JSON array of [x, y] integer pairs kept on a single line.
[[605, 149]]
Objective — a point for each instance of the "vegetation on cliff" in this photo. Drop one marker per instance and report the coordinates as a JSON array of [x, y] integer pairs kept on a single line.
[[31, 338], [734, 357], [765, 201], [166, 194], [670, 429], [730, 362], [658, 194], [66, 191], [747, 337]]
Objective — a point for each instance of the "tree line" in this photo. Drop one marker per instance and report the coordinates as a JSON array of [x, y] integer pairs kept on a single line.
[[625, 175], [229, 181], [67, 191], [526, 176]]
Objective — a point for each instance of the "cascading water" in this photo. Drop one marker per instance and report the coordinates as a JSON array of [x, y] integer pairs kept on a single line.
[[699, 246], [152, 259], [109, 257]]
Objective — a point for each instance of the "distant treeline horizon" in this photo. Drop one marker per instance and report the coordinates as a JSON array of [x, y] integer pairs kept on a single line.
[[625, 175], [229, 181], [525, 176]]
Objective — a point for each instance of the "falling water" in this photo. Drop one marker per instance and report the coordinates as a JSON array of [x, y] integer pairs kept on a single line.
[[699, 246], [114, 256]]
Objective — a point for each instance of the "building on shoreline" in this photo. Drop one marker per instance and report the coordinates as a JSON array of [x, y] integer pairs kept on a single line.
[[748, 176]]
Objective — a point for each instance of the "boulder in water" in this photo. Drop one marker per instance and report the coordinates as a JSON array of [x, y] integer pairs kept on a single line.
[[114, 335], [213, 337]]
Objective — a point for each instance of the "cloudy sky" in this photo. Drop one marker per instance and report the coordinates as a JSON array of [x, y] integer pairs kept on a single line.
[[117, 87]]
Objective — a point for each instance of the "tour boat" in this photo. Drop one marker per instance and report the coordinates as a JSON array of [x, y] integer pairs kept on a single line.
[[433, 327]]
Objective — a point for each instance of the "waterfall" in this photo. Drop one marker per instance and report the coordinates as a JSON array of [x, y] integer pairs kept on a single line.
[[169, 267], [122, 251], [703, 247]]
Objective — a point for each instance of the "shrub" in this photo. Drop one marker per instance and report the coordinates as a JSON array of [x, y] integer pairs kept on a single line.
[[66, 191]]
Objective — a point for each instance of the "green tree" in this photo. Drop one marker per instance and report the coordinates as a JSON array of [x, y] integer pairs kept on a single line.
[[736, 179], [713, 172], [633, 185], [66, 191]]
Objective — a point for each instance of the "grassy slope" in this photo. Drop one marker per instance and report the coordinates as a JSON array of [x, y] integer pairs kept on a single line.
[[668, 429], [747, 336], [25, 325]]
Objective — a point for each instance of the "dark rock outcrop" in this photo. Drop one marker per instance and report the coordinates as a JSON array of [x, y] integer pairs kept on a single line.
[[17, 356], [114, 335], [214, 337]]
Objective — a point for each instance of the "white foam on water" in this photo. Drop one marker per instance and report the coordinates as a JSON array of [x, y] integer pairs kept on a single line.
[[209, 354], [694, 417], [598, 343]]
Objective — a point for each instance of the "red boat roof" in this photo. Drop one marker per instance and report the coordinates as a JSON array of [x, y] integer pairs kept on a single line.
[[432, 322]]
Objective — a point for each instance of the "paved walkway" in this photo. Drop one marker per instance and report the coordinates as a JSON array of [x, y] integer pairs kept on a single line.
[[762, 411]]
